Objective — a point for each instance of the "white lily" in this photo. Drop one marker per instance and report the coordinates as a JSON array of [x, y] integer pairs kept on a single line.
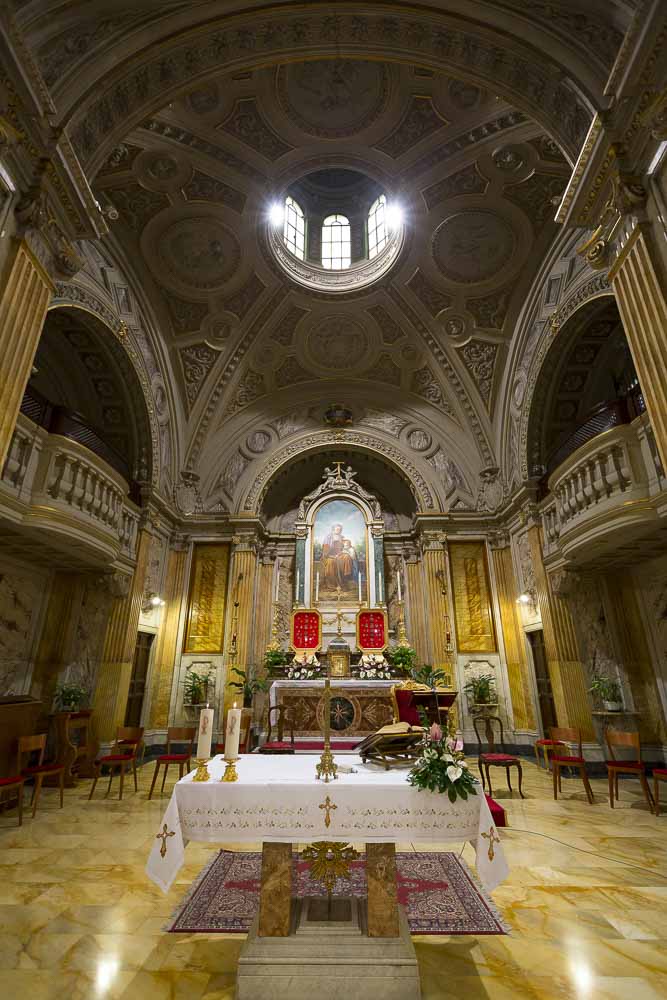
[[454, 772]]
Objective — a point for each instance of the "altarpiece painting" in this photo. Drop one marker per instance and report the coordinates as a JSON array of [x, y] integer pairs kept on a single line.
[[339, 550]]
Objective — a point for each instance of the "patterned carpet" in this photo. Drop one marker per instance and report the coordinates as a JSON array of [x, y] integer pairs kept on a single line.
[[437, 890]]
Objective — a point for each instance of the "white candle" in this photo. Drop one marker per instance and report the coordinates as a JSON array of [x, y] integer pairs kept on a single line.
[[398, 581], [317, 587], [205, 733], [233, 733], [380, 588], [277, 583], [298, 581], [359, 588]]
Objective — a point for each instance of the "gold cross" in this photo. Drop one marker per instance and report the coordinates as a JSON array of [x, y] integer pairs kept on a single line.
[[329, 806], [492, 839], [163, 837], [338, 472]]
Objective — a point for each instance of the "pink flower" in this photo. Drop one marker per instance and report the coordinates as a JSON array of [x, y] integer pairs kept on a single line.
[[436, 733]]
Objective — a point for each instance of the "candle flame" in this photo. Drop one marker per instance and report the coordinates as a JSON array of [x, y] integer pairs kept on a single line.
[[234, 705]]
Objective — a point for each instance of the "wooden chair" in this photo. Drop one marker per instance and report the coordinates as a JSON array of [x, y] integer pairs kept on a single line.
[[175, 734], [561, 737], [123, 754], [547, 746], [29, 745], [659, 774], [279, 745], [14, 785], [616, 738], [492, 758]]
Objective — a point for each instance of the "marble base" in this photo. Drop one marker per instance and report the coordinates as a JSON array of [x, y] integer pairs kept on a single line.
[[328, 958]]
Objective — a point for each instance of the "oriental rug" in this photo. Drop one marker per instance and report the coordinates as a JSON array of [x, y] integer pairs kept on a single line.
[[438, 891]]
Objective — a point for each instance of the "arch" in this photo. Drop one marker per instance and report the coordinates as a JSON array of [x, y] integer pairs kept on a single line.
[[555, 93], [98, 317], [336, 242]]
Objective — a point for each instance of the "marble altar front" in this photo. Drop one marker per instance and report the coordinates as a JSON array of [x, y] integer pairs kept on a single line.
[[357, 707]]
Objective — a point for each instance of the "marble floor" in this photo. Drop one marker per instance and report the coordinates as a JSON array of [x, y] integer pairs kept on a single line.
[[586, 901]]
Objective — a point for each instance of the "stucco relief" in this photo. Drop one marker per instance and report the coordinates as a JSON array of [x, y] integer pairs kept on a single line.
[[338, 343], [333, 98], [419, 121], [473, 246], [197, 362], [200, 253], [479, 357]]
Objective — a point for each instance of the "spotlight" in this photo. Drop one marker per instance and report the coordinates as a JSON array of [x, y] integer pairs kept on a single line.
[[394, 215], [524, 599], [276, 214]]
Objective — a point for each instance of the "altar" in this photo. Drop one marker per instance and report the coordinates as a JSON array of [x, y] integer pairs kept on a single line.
[[358, 707]]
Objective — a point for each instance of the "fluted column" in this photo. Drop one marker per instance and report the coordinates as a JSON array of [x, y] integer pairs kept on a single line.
[[416, 604], [513, 637], [24, 300], [166, 652], [641, 303], [113, 682], [569, 682], [241, 611], [434, 559]]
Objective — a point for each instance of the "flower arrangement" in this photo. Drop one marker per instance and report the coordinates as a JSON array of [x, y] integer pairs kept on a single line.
[[442, 767], [373, 666], [304, 667], [69, 697]]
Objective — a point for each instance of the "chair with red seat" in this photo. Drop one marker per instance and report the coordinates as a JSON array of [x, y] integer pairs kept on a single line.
[[617, 738], [492, 758], [39, 770], [14, 785], [123, 754], [175, 734], [279, 745], [546, 746], [561, 760], [659, 774]]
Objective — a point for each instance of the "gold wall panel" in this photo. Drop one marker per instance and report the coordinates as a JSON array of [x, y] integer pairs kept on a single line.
[[472, 598], [206, 603]]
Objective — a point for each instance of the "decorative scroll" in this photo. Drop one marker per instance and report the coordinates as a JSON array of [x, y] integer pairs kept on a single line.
[[306, 630], [207, 600], [371, 631], [472, 598]]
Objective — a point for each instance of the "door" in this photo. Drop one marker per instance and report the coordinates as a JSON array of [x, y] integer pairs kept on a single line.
[[545, 696], [135, 698]]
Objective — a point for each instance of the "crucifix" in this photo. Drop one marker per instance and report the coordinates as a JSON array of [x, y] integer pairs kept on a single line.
[[163, 837], [328, 806], [492, 839], [339, 617]]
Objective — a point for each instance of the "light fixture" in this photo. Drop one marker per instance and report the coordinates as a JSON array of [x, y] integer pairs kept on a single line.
[[276, 214], [151, 601], [528, 600], [394, 215]]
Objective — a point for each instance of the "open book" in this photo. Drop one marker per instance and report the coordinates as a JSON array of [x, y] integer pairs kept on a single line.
[[396, 728]]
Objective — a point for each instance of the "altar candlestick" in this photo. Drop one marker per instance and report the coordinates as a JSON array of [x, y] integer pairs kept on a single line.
[[359, 578], [317, 587], [398, 581], [380, 588], [298, 581], [205, 732], [233, 733]]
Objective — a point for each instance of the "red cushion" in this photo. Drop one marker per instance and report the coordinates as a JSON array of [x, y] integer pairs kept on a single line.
[[165, 757], [635, 765], [113, 756], [407, 712], [661, 771], [568, 760], [43, 769], [549, 743], [498, 758], [278, 745], [14, 780]]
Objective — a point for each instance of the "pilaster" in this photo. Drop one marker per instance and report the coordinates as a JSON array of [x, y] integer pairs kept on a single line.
[[166, 654], [515, 646], [435, 577], [241, 624]]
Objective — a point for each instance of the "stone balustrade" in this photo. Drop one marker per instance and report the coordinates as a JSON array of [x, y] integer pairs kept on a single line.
[[613, 483], [56, 484]]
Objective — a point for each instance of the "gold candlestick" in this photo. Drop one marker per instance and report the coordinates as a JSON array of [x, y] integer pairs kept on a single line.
[[402, 634], [202, 771], [230, 769], [326, 770]]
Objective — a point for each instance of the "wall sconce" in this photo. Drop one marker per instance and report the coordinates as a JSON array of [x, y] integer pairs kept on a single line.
[[150, 602], [528, 599]]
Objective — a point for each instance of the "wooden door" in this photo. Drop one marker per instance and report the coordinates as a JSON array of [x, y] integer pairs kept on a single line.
[[545, 695], [135, 698]]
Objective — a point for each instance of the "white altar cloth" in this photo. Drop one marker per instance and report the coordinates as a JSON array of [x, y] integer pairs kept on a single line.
[[278, 798]]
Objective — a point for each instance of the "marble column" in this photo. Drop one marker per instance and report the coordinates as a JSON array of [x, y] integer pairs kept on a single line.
[[513, 636], [113, 683], [641, 302], [56, 639], [24, 300], [275, 895], [164, 663], [436, 595], [416, 611], [242, 593], [381, 884], [569, 681]]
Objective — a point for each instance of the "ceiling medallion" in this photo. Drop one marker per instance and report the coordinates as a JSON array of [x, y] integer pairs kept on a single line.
[[338, 416]]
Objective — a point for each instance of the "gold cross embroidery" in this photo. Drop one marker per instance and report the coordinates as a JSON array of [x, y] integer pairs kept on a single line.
[[163, 837], [492, 839], [329, 806]]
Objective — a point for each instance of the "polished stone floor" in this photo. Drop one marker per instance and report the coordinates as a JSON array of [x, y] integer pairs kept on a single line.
[[586, 901]]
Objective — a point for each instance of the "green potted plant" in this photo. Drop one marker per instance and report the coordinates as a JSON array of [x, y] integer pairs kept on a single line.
[[274, 660], [195, 686], [403, 659], [69, 697], [481, 690], [248, 685], [608, 691], [429, 676]]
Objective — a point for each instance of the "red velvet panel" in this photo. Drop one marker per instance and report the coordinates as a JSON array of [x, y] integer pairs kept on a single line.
[[407, 711]]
